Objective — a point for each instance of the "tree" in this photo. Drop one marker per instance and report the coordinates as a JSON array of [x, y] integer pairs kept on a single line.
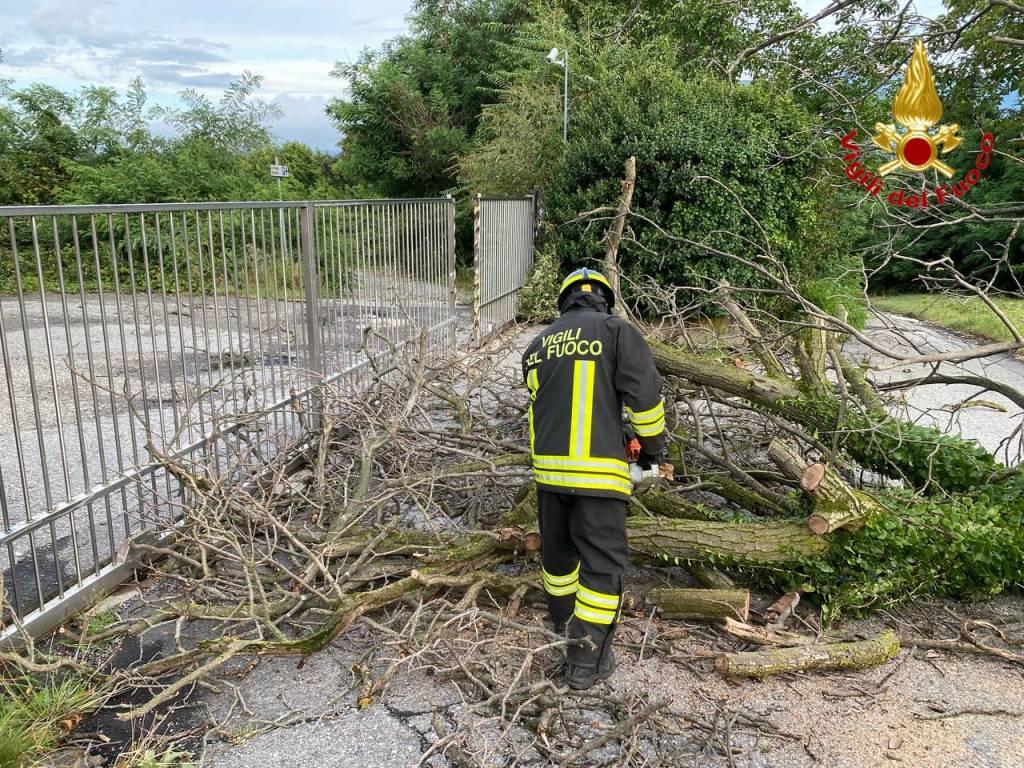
[[413, 107], [37, 140]]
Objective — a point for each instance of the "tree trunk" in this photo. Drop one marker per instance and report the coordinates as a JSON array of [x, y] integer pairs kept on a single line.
[[709, 576], [701, 603], [667, 504], [825, 656], [764, 353], [611, 254], [757, 543]]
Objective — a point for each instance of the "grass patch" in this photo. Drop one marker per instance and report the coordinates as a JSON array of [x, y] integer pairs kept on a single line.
[[146, 755], [99, 622], [967, 314], [36, 713]]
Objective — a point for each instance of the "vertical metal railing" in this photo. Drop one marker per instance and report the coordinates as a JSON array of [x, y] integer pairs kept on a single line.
[[503, 238], [190, 330]]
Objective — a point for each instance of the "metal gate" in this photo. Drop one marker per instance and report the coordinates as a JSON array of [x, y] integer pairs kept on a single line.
[[503, 233], [189, 328]]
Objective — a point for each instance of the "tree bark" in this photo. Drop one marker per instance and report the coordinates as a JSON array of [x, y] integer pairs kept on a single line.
[[709, 576], [701, 603], [870, 439], [764, 353], [667, 504], [757, 543], [825, 656], [764, 635]]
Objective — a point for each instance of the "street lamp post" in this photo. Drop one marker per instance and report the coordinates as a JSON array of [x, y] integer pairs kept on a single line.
[[564, 64]]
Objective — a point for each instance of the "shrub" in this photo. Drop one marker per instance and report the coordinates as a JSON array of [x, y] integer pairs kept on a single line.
[[726, 167]]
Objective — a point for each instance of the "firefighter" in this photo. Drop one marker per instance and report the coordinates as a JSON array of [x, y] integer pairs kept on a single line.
[[581, 372]]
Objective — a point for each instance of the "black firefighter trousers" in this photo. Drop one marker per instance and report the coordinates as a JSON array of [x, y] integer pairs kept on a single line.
[[584, 557]]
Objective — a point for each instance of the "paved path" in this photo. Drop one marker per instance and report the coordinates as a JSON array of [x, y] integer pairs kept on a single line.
[[938, 404]]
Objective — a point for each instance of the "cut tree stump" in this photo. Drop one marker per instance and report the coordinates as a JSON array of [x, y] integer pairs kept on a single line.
[[862, 654], [709, 604], [836, 504]]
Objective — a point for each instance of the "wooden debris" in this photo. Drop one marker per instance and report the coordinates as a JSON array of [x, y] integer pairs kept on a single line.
[[862, 654], [701, 603], [781, 609], [710, 576], [764, 635], [812, 477], [836, 504]]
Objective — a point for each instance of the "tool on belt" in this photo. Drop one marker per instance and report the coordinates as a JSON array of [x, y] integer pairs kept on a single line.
[[638, 474]]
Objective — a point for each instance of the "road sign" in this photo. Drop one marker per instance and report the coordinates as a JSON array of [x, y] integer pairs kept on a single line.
[[279, 171]]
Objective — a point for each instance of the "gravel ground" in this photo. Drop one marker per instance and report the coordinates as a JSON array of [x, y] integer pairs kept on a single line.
[[863, 719], [857, 720]]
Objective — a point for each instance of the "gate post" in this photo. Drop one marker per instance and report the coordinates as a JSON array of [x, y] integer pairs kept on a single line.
[[453, 336], [476, 268], [311, 302]]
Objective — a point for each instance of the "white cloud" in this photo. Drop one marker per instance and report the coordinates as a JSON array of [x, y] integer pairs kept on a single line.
[[306, 116], [199, 44]]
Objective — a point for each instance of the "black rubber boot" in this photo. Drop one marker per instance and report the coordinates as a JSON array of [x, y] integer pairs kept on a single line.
[[588, 667], [560, 610]]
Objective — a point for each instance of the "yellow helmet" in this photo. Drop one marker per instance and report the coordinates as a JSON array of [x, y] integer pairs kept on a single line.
[[585, 275]]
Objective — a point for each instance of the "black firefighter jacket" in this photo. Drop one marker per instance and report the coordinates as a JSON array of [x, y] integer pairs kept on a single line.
[[581, 372]]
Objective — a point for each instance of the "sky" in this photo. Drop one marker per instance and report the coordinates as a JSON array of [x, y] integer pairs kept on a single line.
[[205, 44], [202, 44]]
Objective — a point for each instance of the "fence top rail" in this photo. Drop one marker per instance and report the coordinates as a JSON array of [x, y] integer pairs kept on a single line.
[[10, 211], [487, 199], [58, 210], [380, 201]]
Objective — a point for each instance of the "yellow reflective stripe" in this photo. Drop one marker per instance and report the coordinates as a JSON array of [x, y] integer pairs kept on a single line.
[[568, 589], [604, 466], [559, 580], [650, 430], [595, 461], [583, 481], [529, 418], [532, 383], [598, 599], [588, 407], [582, 407], [591, 277], [648, 415], [574, 412], [594, 616]]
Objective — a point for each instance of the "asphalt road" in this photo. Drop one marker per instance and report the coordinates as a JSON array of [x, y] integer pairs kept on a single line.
[[992, 420]]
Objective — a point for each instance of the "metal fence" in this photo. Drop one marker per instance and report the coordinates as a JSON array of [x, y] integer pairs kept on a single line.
[[131, 329], [503, 230]]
